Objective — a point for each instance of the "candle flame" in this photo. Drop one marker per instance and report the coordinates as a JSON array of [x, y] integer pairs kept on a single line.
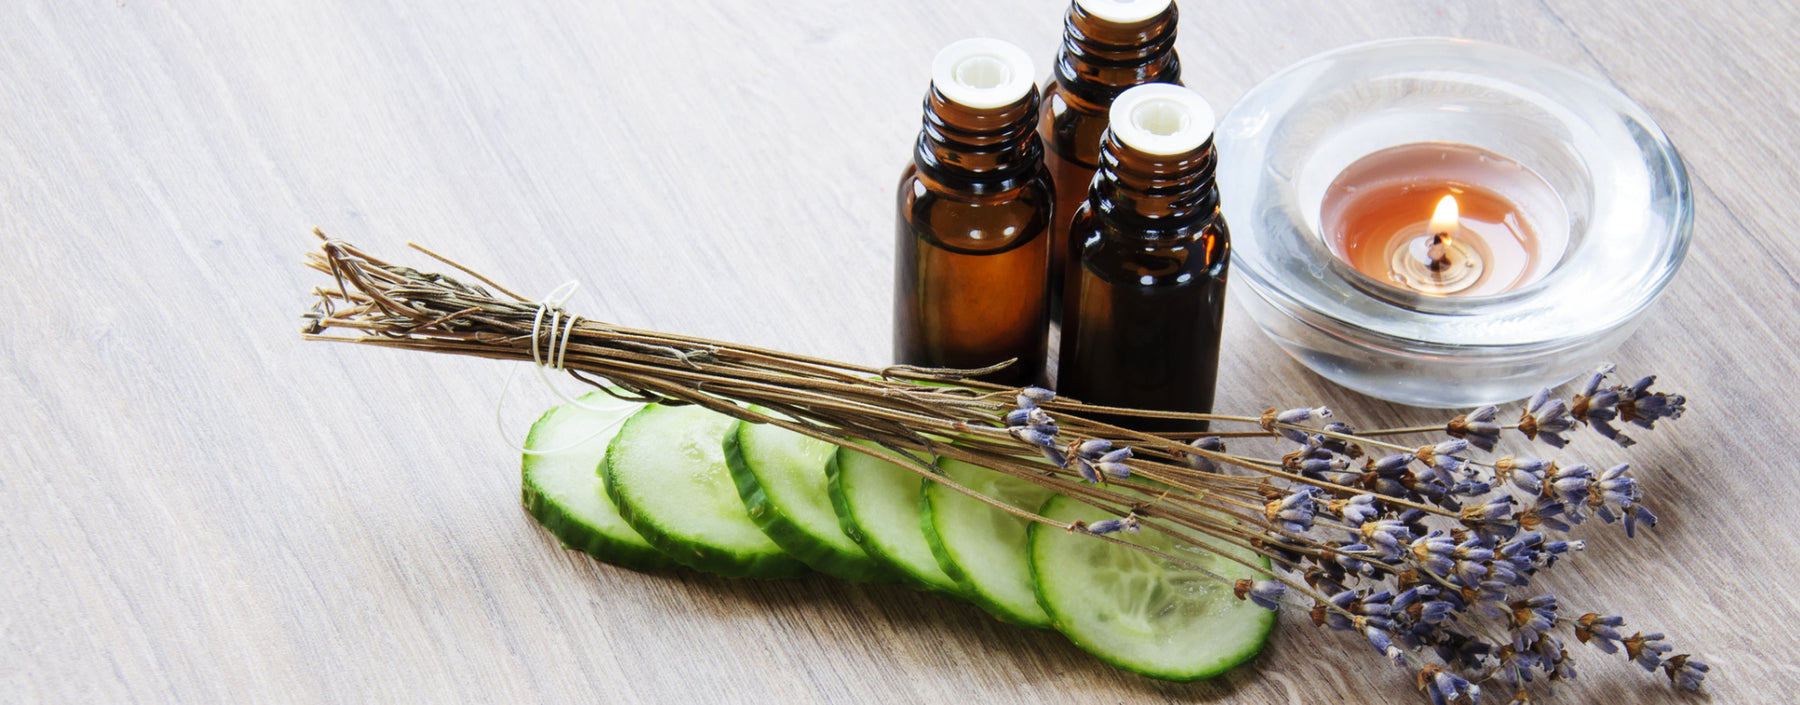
[[1445, 221]]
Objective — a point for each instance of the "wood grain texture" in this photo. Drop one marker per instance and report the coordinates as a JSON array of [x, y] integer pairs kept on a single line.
[[195, 506]]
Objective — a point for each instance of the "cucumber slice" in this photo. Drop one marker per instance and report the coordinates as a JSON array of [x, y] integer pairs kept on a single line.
[[780, 475], [562, 490], [877, 504], [982, 548], [1143, 614], [666, 471]]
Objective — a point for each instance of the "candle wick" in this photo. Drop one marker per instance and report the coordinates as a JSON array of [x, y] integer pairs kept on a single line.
[[1439, 252]]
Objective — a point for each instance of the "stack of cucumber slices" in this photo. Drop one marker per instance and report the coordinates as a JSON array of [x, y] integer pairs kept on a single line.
[[651, 486]]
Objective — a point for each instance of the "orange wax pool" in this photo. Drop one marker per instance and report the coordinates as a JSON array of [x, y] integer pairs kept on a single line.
[[1377, 214]]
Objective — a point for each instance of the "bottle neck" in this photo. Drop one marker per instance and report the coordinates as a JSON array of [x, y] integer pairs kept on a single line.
[[1100, 59], [977, 150], [1154, 196]]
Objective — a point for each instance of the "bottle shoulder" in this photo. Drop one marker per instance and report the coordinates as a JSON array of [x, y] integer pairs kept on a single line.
[[975, 223], [918, 185], [1179, 257], [1071, 126]]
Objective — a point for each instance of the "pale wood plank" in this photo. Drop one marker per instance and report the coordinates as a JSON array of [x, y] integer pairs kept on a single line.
[[198, 507]]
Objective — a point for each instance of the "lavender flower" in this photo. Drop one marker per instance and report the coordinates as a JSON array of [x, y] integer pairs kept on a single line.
[[1478, 427], [1346, 557], [1318, 468], [1035, 427], [1600, 401], [1546, 418], [1615, 489], [1414, 519], [1434, 552], [1391, 465], [1469, 572], [1477, 550], [1411, 596], [1387, 534], [1597, 407], [1646, 649], [1292, 416], [1557, 548], [1453, 446], [1471, 488], [1375, 604], [1340, 476], [1338, 445], [1293, 512], [1634, 515], [1434, 611], [1524, 473], [1553, 660], [1531, 618], [1444, 687], [1094, 448], [1086, 470], [1571, 484], [1641, 407], [1032, 436], [1548, 514], [1382, 642], [1127, 523], [1600, 631], [1464, 650], [1356, 510], [1202, 463], [1099, 454], [1685, 672], [1492, 516], [1443, 461], [1388, 475], [1436, 493], [1265, 593]]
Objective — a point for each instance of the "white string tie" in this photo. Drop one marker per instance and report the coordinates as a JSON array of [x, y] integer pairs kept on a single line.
[[551, 356]]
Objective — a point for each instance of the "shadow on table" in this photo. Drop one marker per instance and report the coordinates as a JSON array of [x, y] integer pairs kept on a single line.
[[900, 626]]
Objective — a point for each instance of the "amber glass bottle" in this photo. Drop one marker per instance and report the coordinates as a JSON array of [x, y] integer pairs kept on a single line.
[[973, 247], [1146, 287], [1108, 47]]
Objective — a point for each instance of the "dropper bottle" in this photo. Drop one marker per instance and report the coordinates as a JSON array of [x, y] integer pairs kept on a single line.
[[972, 250], [1146, 291], [1108, 47]]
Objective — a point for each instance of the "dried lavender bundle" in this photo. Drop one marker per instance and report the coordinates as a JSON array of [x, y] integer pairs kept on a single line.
[[1427, 552]]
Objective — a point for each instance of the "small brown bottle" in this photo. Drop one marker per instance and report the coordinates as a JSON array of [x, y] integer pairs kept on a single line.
[[1145, 293], [1108, 47], [972, 254]]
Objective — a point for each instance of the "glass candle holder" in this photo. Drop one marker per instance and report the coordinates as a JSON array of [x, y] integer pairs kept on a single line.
[[1603, 200]]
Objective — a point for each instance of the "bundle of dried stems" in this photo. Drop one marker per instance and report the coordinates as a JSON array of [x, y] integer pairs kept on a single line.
[[1436, 548]]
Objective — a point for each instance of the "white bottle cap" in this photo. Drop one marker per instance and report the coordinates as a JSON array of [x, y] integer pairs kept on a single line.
[[1124, 11], [983, 73], [1161, 119]]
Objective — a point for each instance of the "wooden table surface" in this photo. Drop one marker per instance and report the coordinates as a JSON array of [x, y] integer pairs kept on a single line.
[[197, 506]]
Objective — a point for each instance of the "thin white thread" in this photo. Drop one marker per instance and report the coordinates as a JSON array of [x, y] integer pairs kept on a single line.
[[557, 352]]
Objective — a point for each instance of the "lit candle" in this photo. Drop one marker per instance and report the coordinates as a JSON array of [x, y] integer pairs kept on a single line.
[[1444, 220], [1573, 211]]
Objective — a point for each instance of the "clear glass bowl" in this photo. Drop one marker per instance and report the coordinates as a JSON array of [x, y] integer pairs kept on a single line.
[[1623, 189]]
